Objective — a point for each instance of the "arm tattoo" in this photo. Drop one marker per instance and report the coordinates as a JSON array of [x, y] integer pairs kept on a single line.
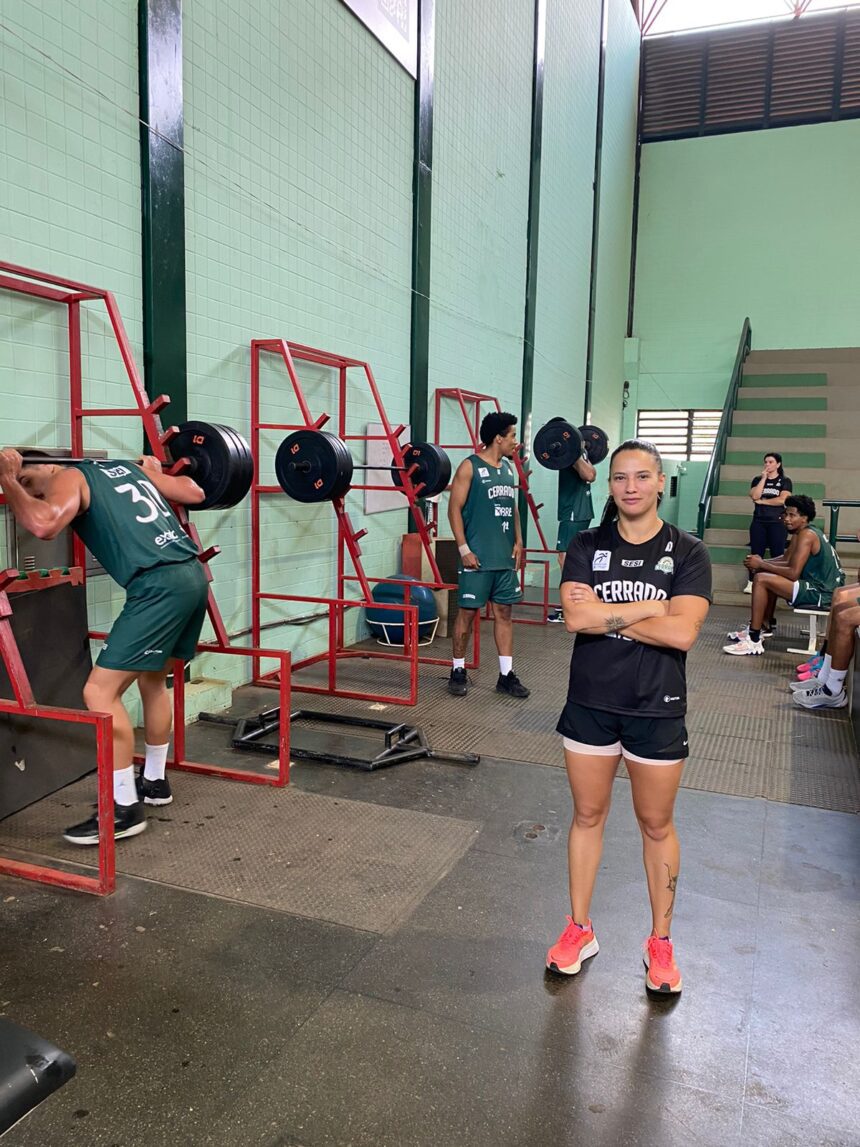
[[699, 625], [672, 885], [613, 622]]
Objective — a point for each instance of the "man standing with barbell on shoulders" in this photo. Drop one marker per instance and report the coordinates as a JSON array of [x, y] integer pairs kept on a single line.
[[120, 511], [485, 521], [575, 509]]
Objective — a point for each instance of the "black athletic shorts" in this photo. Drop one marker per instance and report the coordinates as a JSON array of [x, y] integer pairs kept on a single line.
[[647, 740]]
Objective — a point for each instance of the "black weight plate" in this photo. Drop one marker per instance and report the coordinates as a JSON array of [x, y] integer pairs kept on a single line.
[[433, 468], [215, 458], [557, 445], [595, 442], [244, 475], [313, 466]]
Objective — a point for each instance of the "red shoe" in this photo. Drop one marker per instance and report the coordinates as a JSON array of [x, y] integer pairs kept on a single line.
[[663, 974], [574, 945]]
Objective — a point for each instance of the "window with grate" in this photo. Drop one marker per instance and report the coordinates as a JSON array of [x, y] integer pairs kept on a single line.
[[752, 76], [688, 434]]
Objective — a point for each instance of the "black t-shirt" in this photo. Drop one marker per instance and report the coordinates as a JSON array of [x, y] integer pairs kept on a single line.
[[615, 673], [772, 488]]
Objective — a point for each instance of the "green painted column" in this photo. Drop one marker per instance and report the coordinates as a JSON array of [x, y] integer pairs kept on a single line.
[[422, 187], [533, 231], [162, 173]]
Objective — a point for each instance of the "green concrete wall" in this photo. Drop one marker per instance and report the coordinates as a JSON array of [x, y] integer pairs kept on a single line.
[[298, 168], [757, 223]]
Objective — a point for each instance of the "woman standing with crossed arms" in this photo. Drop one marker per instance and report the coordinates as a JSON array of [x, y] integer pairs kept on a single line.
[[636, 592]]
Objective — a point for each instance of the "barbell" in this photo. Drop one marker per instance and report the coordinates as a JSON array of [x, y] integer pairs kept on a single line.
[[310, 465], [558, 444], [216, 457], [315, 466]]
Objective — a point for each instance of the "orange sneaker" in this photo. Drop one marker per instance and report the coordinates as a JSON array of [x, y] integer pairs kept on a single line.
[[663, 974], [574, 945]]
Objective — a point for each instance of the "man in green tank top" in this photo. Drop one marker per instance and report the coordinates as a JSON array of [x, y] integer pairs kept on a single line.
[[575, 510], [486, 524], [806, 576], [120, 510]]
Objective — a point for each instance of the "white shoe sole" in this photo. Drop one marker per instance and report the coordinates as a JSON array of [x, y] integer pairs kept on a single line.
[[837, 702], [736, 651], [585, 954], [133, 830], [158, 801]]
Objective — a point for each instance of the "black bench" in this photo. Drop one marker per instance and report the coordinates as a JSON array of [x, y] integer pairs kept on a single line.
[[30, 1070]]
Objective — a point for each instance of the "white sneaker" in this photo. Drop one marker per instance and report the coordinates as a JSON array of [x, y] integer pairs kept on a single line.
[[744, 647], [819, 699], [741, 634], [804, 686], [748, 587]]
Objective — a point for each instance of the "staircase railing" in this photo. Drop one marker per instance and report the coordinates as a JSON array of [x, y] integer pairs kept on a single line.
[[835, 505], [718, 456]]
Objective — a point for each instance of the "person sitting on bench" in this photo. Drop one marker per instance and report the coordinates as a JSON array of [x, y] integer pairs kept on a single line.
[[826, 690], [806, 577]]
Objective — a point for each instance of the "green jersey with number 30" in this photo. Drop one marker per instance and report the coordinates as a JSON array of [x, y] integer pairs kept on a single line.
[[129, 527]]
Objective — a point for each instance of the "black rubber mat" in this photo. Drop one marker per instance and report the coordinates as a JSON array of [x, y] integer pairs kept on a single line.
[[746, 735], [349, 862]]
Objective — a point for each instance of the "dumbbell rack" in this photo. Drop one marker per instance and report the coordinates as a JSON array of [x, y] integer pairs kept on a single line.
[[51, 288], [348, 537], [469, 403]]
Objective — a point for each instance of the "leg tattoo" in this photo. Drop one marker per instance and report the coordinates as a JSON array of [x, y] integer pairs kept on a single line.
[[672, 885]]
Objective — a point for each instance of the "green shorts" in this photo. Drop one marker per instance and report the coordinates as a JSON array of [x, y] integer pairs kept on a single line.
[[164, 611], [477, 587], [809, 596], [567, 531]]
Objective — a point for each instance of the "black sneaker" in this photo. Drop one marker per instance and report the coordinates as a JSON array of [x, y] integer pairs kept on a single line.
[[128, 820], [153, 792], [556, 618], [458, 683], [512, 685]]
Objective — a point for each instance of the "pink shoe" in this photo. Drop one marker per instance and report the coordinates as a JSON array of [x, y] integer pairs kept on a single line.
[[574, 945], [806, 675], [663, 974]]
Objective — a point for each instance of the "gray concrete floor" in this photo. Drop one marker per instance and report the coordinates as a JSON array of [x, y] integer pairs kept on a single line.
[[196, 1019]]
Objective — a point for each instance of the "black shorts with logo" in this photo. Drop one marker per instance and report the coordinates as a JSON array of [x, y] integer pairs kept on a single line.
[[647, 738]]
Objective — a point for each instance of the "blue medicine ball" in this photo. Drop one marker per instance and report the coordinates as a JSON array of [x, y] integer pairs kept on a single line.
[[387, 624]]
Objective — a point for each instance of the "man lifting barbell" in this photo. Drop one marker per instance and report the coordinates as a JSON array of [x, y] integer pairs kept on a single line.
[[558, 445], [575, 509], [485, 521], [119, 511]]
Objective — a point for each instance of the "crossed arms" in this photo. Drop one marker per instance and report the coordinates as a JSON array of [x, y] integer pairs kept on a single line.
[[674, 624]]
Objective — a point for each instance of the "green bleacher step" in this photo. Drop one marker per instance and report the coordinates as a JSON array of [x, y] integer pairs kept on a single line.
[[742, 521], [779, 430], [782, 402], [738, 489], [783, 379], [800, 461], [728, 555]]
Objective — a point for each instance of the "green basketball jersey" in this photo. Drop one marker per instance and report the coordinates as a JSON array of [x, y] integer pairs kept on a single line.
[[823, 569], [129, 527], [488, 515], [574, 497]]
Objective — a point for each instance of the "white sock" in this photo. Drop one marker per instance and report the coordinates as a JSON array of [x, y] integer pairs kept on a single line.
[[823, 673], [506, 664], [155, 765], [835, 680], [124, 792], [459, 662]]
